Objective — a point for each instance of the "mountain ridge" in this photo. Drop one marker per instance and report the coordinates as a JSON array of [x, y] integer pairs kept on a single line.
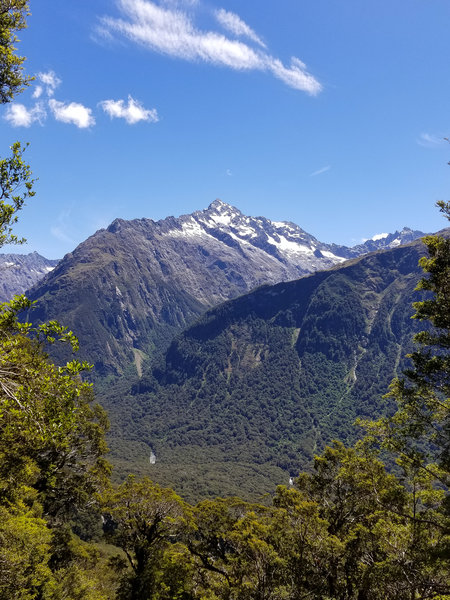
[[19, 272], [244, 397], [127, 289]]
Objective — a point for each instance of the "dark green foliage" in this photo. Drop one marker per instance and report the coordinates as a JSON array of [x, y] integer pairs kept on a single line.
[[251, 404], [432, 360], [246, 396], [51, 467], [145, 519], [347, 531], [109, 295], [265, 380], [418, 433], [52, 435]]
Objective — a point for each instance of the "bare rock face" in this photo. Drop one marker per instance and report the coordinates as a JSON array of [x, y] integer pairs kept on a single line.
[[19, 272], [129, 288]]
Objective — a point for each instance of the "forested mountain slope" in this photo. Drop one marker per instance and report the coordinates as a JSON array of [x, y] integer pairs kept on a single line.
[[245, 397], [128, 289]]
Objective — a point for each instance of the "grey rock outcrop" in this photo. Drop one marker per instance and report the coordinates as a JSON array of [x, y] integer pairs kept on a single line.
[[19, 272], [129, 288]]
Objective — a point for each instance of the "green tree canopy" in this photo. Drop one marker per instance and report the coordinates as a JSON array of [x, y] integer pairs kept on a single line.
[[419, 432], [13, 15], [145, 519], [16, 186]]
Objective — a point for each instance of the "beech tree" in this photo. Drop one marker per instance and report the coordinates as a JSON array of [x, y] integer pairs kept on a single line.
[[385, 539], [51, 432], [16, 183], [48, 424], [16, 186], [13, 15], [24, 552], [419, 432], [145, 520]]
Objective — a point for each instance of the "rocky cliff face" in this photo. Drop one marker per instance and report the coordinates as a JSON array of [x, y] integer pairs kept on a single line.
[[127, 289], [19, 272]]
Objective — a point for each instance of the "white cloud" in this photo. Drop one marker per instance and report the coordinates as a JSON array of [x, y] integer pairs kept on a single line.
[[74, 113], [320, 171], [234, 24], [178, 3], [133, 112], [19, 115], [430, 141], [172, 32], [296, 76], [38, 91], [229, 173], [379, 236], [50, 82]]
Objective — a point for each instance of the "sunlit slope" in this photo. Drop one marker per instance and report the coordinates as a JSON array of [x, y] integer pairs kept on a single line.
[[128, 289], [246, 396]]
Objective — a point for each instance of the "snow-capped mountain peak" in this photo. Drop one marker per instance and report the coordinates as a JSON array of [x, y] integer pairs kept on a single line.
[[223, 235], [283, 243]]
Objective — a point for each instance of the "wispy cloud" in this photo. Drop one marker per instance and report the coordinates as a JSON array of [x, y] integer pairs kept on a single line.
[[320, 171], [173, 32], [59, 229], [18, 115], [428, 140], [181, 3], [38, 91], [133, 112], [229, 173], [48, 84], [74, 113], [58, 232], [50, 81], [235, 25]]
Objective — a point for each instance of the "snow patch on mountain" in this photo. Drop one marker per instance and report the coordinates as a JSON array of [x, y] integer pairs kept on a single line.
[[328, 254], [290, 247], [281, 242], [19, 272]]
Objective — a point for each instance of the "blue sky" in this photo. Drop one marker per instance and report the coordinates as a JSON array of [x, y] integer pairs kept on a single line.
[[328, 114]]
